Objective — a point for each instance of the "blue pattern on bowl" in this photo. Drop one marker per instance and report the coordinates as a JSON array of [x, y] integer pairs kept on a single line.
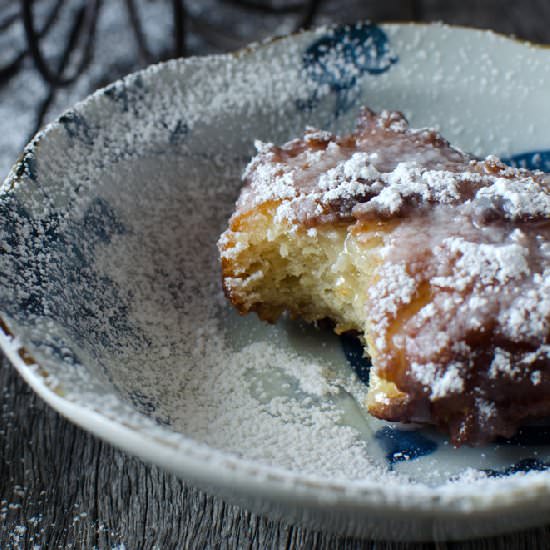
[[402, 445], [339, 58], [354, 352], [148, 406], [533, 160], [68, 268], [127, 93], [525, 465], [77, 127]]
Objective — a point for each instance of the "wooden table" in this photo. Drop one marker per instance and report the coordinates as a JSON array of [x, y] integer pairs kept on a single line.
[[63, 488]]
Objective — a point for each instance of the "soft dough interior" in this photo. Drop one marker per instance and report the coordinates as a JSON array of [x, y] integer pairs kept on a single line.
[[321, 272]]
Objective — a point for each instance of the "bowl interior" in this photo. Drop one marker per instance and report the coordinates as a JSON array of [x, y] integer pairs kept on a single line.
[[109, 277]]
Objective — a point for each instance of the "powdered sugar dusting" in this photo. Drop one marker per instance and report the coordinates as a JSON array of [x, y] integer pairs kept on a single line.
[[394, 288], [439, 384], [383, 169]]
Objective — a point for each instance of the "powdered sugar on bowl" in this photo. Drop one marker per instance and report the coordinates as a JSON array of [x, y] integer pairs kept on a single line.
[[233, 384]]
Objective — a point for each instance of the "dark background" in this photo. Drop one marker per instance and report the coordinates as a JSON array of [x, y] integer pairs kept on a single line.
[[59, 486]]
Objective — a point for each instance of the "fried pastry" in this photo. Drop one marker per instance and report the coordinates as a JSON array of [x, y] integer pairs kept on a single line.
[[440, 261]]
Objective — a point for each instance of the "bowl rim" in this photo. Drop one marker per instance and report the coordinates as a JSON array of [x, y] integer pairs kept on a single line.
[[208, 466]]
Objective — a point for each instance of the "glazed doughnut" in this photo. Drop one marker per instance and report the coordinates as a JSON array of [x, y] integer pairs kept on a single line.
[[438, 260]]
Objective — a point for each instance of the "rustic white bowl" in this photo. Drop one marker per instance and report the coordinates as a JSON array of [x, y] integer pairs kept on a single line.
[[109, 280]]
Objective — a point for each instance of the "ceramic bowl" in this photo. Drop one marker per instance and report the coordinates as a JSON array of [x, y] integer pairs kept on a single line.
[[110, 297]]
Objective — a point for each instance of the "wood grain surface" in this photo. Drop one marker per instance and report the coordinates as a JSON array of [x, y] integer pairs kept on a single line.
[[63, 488]]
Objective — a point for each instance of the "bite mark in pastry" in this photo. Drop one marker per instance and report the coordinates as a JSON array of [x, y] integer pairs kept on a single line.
[[439, 260]]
